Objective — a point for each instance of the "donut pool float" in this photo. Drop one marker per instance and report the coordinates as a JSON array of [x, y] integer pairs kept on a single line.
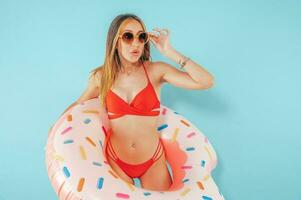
[[78, 170]]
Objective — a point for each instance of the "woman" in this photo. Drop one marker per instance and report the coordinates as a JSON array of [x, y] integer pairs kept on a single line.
[[128, 85]]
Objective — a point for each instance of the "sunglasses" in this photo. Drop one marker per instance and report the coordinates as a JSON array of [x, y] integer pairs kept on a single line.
[[128, 37]]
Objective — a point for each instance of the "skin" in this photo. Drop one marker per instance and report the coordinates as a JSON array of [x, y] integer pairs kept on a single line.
[[138, 143]]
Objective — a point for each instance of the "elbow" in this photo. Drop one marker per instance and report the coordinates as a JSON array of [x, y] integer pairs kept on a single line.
[[211, 82], [209, 85], [206, 84]]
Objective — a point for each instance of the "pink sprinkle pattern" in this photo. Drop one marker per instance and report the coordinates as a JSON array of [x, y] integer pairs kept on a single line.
[[66, 130], [122, 195]]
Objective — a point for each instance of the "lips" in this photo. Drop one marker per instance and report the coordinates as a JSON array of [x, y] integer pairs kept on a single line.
[[135, 52]]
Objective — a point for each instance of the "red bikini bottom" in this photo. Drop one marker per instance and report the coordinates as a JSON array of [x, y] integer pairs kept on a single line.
[[135, 170]]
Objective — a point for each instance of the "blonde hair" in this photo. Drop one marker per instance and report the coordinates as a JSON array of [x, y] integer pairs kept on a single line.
[[112, 64]]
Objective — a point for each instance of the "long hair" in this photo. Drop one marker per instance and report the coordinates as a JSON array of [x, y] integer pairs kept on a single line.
[[112, 64]]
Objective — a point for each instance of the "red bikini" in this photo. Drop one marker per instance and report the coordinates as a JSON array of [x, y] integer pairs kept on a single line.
[[135, 170], [145, 103]]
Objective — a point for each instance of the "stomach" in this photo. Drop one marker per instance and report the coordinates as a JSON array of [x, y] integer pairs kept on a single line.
[[134, 137]]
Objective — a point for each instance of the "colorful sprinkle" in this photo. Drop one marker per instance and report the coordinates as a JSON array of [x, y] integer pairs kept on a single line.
[[122, 195], [97, 164], [80, 184], [200, 185], [185, 180], [175, 134], [58, 157], [69, 118], [68, 141], [66, 130], [186, 167], [191, 134], [82, 153], [184, 122], [66, 172], [203, 163], [99, 183], [90, 111], [206, 177], [206, 198], [190, 149], [176, 112], [90, 141], [100, 142], [185, 192], [162, 127], [87, 121], [147, 193]]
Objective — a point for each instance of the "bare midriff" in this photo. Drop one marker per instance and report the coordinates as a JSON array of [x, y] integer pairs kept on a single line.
[[134, 137]]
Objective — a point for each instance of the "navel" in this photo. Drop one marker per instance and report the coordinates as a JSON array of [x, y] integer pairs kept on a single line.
[[133, 145]]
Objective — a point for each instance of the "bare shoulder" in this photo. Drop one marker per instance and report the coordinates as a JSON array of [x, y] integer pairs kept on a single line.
[[95, 76], [92, 89], [157, 69]]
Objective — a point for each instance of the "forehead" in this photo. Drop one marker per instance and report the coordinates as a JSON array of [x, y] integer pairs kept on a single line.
[[132, 26]]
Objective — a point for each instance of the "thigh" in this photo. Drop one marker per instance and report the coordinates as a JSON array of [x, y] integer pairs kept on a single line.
[[119, 171], [157, 177]]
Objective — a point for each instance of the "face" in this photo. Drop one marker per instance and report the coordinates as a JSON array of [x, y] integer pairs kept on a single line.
[[127, 49]]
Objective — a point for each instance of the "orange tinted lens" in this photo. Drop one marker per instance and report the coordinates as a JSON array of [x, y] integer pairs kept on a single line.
[[143, 37], [127, 37]]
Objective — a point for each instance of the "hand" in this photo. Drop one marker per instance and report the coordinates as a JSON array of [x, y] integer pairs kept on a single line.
[[161, 41]]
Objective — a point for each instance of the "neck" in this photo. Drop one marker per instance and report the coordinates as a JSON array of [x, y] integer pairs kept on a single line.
[[126, 65]]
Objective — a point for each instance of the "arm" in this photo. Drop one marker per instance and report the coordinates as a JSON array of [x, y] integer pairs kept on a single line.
[[196, 76]]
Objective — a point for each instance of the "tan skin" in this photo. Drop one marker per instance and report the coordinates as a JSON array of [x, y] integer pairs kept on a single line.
[[135, 137]]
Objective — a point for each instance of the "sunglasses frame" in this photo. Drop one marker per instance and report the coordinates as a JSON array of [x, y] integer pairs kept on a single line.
[[135, 36]]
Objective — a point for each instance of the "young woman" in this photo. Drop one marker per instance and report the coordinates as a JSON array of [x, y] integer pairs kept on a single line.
[[128, 85]]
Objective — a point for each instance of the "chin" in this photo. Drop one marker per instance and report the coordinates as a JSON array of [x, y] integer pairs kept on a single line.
[[133, 60]]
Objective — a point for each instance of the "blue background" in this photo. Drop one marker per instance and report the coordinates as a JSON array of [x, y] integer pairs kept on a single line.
[[251, 115]]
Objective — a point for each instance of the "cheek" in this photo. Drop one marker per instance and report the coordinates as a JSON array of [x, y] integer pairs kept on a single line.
[[124, 49]]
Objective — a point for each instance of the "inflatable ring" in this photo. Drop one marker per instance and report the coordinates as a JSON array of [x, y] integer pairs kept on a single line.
[[78, 170]]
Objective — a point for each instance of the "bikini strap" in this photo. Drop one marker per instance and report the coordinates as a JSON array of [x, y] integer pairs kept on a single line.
[[110, 148], [159, 147], [145, 71]]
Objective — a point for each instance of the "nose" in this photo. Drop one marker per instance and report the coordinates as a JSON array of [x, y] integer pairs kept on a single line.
[[136, 42]]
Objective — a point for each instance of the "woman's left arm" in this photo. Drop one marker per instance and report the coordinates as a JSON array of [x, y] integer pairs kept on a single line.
[[196, 72], [196, 76]]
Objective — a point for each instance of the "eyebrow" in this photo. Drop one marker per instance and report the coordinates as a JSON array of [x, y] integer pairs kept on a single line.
[[132, 31]]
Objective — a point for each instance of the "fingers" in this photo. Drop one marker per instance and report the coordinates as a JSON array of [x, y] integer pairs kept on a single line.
[[162, 31], [153, 39], [158, 32], [153, 34]]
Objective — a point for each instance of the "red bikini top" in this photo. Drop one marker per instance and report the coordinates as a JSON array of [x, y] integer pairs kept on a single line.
[[145, 103]]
